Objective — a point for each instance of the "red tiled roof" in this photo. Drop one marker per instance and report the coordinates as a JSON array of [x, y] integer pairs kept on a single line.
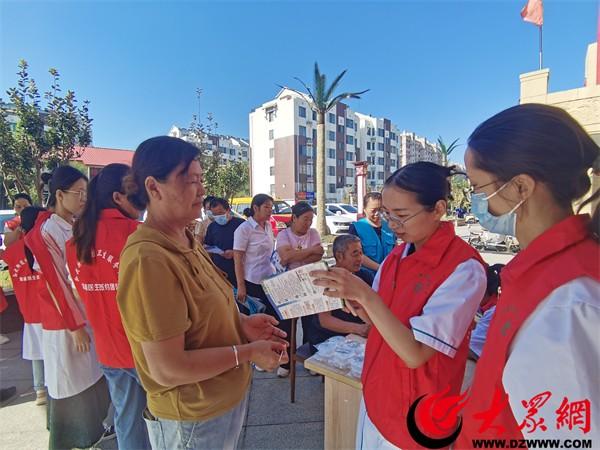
[[101, 157]]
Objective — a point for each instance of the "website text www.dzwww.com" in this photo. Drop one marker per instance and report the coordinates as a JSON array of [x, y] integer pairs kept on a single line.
[[532, 443]]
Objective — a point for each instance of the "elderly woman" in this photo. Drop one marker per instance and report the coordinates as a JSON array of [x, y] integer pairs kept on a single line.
[[191, 346]]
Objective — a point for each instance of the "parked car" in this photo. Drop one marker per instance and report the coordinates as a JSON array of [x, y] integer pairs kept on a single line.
[[335, 224], [282, 212], [343, 209]]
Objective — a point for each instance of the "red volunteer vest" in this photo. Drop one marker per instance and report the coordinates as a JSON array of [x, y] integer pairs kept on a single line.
[[561, 254], [27, 283], [56, 312], [389, 386], [97, 286]]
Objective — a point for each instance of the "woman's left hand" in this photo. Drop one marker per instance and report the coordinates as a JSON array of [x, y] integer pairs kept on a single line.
[[262, 327], [340, 283]]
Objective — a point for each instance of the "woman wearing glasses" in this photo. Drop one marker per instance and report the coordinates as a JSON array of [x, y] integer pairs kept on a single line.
[[423, 303], [78, 395]]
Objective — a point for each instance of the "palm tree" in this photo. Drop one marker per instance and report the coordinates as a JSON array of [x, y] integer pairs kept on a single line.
[[321, 98], [446, 150]]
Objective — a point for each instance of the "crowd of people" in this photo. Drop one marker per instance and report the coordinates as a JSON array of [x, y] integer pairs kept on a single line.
[[155, 323]]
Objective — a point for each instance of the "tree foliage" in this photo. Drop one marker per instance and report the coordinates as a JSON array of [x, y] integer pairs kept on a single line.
[[45, 135], [447, 149]]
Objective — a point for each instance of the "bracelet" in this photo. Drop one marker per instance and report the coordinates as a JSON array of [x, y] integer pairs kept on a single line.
[[237, 359]]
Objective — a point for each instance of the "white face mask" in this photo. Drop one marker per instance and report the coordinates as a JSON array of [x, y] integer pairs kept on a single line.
[[502, 224]]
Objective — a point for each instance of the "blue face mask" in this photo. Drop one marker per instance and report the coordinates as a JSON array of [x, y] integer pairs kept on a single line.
[[502, 224], [221, 220]]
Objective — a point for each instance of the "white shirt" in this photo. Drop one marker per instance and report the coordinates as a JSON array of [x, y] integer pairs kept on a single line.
[[450, 310], [479, 334], [257, 243], [558, 350]]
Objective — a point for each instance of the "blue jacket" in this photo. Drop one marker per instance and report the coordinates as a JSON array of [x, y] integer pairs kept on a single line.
[[374, 248]]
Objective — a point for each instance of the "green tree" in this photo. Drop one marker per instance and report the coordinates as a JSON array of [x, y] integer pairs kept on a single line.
[[446, 149], [322, 99], [44, 137], [460, 187]]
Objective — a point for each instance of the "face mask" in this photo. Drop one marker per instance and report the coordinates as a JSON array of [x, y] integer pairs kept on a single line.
[[210, 215], [503, 224], [221, 220]]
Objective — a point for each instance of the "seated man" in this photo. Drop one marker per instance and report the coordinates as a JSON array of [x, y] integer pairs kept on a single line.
[[347, 250]]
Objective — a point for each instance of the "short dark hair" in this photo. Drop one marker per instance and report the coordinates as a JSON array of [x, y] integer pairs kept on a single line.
[[429, 181], [301, 208], [218, 201], [258, 200], [340, 243], [207, 202], [371, 196], [156, 157], [24, 196]]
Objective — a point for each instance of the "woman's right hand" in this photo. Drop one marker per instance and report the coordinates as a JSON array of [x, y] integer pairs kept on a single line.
[[268, 355], [82, 340], [241, 294]]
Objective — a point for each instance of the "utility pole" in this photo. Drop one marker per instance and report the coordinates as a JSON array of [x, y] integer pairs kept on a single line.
[[198, 94]]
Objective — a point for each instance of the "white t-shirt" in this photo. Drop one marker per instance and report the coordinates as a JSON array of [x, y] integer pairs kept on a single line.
[[557, 350], [450, 310], [258, 244]]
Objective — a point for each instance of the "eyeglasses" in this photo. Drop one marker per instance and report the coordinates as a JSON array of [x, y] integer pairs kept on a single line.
[[82, 194], [397, 220], [478, 188]]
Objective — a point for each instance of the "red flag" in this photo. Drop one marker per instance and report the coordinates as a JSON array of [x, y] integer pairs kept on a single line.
[[533, 12]]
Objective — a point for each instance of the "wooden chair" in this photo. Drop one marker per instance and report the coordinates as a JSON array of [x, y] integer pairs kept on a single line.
[[296, 355]]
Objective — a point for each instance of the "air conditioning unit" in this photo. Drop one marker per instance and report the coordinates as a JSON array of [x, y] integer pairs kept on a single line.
[[341, 121]]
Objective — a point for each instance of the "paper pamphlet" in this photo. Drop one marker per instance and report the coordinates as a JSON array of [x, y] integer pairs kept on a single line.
[[293, 293], [213, 249]]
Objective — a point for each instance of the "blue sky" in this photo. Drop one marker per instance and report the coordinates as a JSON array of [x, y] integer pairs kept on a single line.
[[433, 67]]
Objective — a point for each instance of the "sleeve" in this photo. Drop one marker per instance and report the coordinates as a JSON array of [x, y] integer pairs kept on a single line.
[[450, 310], [282, 239], [151, 300], [556, 351], [352, 230], [240, 238], [479, 334], [208, 239], [315, 237]]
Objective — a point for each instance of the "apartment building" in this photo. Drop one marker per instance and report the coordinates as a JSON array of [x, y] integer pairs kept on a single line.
[[283, 133], [231, 148]]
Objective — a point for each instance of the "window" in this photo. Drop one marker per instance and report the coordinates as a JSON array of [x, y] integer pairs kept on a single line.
[[314, 115], [331, 118], [350, 140], [232, 151], [272, 189], [380, 146], [244, 153], [341, 129], [331, 135], [349, 173], [271, 135], [272, 170], [301, 111], [302, 150], [331, 152], [380, 132], [271, 114], [271, 153], [332, 188], [349, 156], [368, 146], [314, 136], [331, 171], [302, 131], [350, 123], [380, 175]]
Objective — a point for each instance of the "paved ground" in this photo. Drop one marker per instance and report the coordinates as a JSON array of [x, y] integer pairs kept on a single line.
[[272, 421]]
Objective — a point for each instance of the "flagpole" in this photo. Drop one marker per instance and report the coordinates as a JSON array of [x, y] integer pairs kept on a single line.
[[541, 51]]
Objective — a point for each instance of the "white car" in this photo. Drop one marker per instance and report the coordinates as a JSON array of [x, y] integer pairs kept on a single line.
[[335, 224], [343, 209]]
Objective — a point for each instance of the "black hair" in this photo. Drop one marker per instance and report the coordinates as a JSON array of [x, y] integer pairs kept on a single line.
[[218, 201], [301, 208], [371, 196], [493, 278], [544, 142], [258, 200], [100, 196], [247, 212], [23, 195], [62, 179], [156, 157], [208, 201], [429, 181], [28, 217]]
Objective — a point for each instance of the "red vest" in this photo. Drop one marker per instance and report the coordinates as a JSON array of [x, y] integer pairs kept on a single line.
[[561, 254], [389, 386], [97, 286], [56, 312], [27, 283]]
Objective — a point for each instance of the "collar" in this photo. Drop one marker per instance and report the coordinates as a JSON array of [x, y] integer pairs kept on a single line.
[[255, 224], [62, 223], [435, 247], [556, 239]]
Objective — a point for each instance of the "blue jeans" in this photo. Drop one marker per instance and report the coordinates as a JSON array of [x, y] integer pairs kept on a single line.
[[37, 368], [129, 400], [221, 433]]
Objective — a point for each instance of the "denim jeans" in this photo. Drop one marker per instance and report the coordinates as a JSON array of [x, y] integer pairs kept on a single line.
[[129, 400], [219, 433], [37, 368]]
